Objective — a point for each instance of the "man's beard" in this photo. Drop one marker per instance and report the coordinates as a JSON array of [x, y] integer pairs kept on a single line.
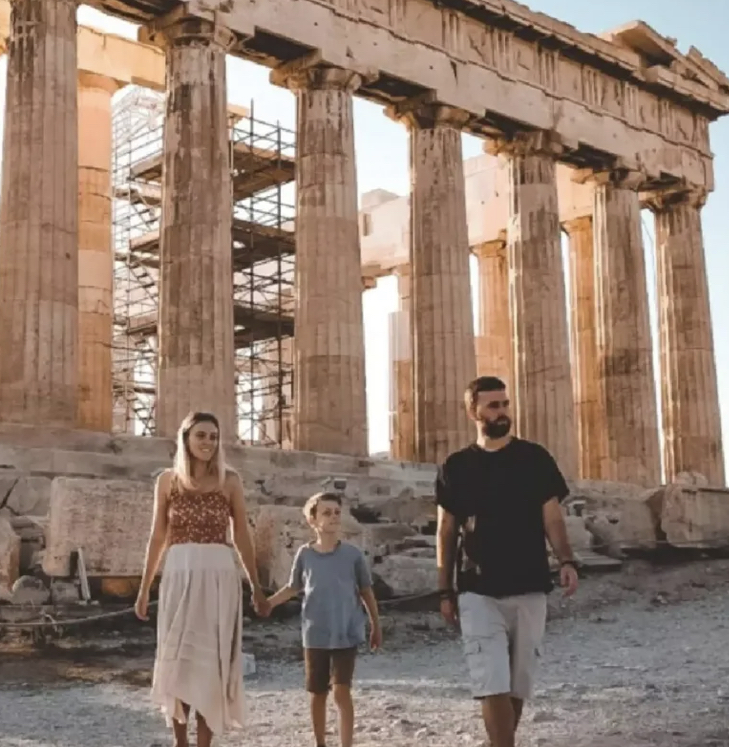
[[497, 428]]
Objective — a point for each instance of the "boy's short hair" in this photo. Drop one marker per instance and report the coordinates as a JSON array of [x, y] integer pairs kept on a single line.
[[312, 503]]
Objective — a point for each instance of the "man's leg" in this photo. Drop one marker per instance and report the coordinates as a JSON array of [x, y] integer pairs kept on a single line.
[[486, 648], [316, 662], [529, 618], [518, 706], [499, 719]]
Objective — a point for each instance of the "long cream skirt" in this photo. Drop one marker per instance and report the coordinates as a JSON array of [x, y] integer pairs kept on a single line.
[[199, 636]]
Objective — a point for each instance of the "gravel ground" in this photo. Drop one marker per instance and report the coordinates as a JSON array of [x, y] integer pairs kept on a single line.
[[638, 659]]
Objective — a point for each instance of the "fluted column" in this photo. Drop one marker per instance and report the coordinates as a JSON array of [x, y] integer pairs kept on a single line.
[[689, 393], [624, 348], [589, 416], [494, 348], [330, 407], [196, 354], [96, 258], [444, 356], [542, 381], [401, 387], [39, 217]]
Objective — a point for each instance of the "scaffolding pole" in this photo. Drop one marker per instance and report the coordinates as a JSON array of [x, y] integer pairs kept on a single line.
[[262, 159]]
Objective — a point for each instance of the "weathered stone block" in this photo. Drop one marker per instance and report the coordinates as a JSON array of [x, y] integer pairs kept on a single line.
[[30, 591], [634, 511], [9, 555], [382, 538], [407, 575], [24, 496], [108, 519], [278, 534], [696, 517]]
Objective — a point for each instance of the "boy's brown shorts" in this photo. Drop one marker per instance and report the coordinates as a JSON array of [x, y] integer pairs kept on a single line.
[[325, 667]]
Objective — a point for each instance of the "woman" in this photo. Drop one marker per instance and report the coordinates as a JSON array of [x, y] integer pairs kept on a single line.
[[198, 665]]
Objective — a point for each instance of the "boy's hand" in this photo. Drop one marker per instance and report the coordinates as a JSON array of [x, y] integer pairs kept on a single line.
[[375, 638]]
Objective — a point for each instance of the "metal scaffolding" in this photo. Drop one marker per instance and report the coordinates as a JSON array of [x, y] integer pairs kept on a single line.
[[262, 250]]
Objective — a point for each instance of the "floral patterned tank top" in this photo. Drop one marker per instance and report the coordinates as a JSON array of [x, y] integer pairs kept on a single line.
[[197, 517]]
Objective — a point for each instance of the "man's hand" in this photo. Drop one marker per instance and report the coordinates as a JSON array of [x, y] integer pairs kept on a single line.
[[375, 638], [568, 579], [449, 611]]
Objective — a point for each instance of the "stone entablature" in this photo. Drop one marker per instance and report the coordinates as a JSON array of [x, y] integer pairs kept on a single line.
[[638, 100]]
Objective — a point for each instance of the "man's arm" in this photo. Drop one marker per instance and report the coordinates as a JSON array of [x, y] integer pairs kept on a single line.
[[556, 531], [446, 540]]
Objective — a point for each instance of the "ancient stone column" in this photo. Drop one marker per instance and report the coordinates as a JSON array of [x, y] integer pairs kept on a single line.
[[95, 257], [586, 391], [542, 380], [39, 218], [330, 407], [624, 348], [196, 352], [494, 349], [689, 394], [402, 439], [444, 356]]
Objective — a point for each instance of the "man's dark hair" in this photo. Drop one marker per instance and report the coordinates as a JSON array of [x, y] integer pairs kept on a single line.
[[481, 384]]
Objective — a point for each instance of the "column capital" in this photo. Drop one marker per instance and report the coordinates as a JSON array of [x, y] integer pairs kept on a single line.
[[176, 29], [660, 200], [426, 112], [96, 82], [622, 178], [313, 73], [491, 248], [577, 225], [537, 143]]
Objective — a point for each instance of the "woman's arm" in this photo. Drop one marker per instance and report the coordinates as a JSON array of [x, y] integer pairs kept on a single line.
[[157, 535], [241, 531]]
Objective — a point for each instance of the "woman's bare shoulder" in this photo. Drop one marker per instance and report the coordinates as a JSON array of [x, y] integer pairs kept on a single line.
[[164, 481], [231, 477]]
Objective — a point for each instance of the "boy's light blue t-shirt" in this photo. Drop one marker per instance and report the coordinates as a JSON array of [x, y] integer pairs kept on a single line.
[[332, 615]]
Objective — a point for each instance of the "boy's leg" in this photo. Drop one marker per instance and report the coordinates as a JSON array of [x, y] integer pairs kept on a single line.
[[343, 661], [317, 664], [484, 631]]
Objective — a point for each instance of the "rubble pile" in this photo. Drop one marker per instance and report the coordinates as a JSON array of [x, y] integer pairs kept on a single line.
[[43, 521]]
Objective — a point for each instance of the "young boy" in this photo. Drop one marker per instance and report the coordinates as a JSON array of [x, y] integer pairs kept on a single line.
[[335, 580]]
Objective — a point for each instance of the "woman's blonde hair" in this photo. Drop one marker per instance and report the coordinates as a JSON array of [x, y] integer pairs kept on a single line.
[[182, 464]]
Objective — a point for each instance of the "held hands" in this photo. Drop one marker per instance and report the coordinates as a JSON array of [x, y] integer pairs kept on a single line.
[[260, 602], [568, 579]]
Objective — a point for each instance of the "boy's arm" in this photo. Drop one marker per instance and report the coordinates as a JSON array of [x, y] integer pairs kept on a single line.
[[282, 596], [370, 603], [295, 584]]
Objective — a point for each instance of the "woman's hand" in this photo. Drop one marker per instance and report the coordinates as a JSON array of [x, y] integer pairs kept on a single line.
[[142, 604], [260, 603]]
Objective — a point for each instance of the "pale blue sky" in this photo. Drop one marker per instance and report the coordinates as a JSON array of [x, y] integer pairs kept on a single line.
[[382, 160]]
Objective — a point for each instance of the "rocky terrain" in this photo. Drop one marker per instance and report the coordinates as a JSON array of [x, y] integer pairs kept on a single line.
[[637, 658]]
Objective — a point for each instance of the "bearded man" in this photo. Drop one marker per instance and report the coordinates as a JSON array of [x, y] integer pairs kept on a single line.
[[498, 501]]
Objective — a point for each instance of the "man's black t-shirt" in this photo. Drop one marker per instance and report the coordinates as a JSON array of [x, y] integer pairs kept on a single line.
[[497, 498]]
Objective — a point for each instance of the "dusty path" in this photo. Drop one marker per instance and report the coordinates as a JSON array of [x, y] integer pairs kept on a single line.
[[640, 659]]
